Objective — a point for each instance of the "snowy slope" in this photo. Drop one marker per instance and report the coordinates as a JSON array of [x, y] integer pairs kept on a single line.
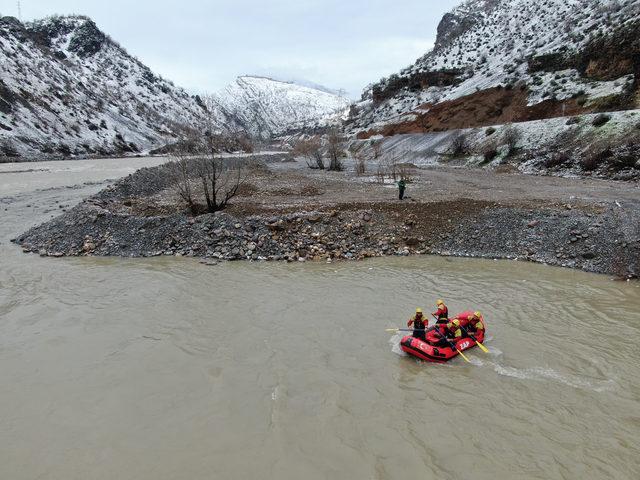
[[266, 107], [66, 88], [554, 50]]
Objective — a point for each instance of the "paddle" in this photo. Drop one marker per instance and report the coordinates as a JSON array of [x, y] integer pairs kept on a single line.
[[482, 347]]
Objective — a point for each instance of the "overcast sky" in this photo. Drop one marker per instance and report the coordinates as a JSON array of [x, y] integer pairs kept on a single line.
[[203, 45]]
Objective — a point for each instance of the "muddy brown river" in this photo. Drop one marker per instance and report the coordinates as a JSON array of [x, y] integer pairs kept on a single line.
[[170, 369]]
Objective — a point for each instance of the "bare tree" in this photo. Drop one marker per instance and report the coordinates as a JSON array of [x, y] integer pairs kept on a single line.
[[311, 150], [220, 180], [206, 174], [181, 172], [406, 172], [381, 171], [335, 150], [360, 157]]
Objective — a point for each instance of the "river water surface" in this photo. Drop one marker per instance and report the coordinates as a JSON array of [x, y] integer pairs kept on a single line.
[[170, 369]]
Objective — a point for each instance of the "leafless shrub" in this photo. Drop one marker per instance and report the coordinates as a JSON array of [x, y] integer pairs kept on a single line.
[[220, 181], [406, 171], [394, 166], [592, 161], [624, 152], [360, 157], [206, 174], [381, 172], [311, 150], [335, 150], [489, 153], [556, 160], [601, 119], [459, 145], [181, 172], [245, 143], [511, 138]]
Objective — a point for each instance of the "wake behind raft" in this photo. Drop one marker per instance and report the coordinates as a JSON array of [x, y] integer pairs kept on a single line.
[[433, 350]]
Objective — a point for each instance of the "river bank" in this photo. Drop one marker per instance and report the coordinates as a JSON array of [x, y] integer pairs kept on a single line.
[[288, 213]]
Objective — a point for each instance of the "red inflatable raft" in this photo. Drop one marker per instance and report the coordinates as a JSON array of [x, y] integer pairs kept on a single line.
[[433, 351]]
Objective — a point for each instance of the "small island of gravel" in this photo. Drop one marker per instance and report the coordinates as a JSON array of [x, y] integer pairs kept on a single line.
[[284, 211]]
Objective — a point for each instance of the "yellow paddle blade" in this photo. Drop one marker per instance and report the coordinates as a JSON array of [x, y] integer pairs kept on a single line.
[[482, 347], [463, 356]]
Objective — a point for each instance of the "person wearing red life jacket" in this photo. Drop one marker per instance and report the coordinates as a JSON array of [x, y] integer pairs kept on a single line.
[[470, 322], [454, 331], [420, 324], [449, 333], [475, 323], [442, 313], [442, 316], [464, 318]]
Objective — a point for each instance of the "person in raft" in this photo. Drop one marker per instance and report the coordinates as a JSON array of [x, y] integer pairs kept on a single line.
[[419, 323], [474, 323], [453, 330], [402, 186], [442, 313], [449, 333]]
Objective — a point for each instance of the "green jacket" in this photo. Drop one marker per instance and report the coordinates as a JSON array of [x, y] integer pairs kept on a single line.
[[402, 185]]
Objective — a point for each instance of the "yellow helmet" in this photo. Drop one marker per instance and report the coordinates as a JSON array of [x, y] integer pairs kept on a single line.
[[453, 323], [477, 314], [439, 302], [418, 310]]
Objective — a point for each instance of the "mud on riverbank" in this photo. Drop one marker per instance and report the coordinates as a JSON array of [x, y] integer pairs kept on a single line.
[[290, 214]]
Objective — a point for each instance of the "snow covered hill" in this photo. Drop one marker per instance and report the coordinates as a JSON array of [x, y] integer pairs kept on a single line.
[[265, 107], [499, 61], [66, 88]]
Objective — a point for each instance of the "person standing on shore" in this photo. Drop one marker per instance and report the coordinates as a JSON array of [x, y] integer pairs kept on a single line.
[[402, 186]]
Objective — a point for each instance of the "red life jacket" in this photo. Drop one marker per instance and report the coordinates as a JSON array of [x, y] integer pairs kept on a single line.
[[442, 313]]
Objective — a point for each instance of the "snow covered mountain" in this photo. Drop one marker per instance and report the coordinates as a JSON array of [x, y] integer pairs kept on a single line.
[[66, 88], [500, 61], [265, 107]]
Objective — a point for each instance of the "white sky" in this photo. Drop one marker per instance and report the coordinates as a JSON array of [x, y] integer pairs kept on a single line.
[[203, 45]]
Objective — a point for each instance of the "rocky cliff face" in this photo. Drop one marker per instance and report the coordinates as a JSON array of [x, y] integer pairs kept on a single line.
[[67, 89], [454, 24], [536, 59]]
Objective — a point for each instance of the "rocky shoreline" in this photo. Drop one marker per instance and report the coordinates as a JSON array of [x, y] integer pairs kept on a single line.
[[110, 224]]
